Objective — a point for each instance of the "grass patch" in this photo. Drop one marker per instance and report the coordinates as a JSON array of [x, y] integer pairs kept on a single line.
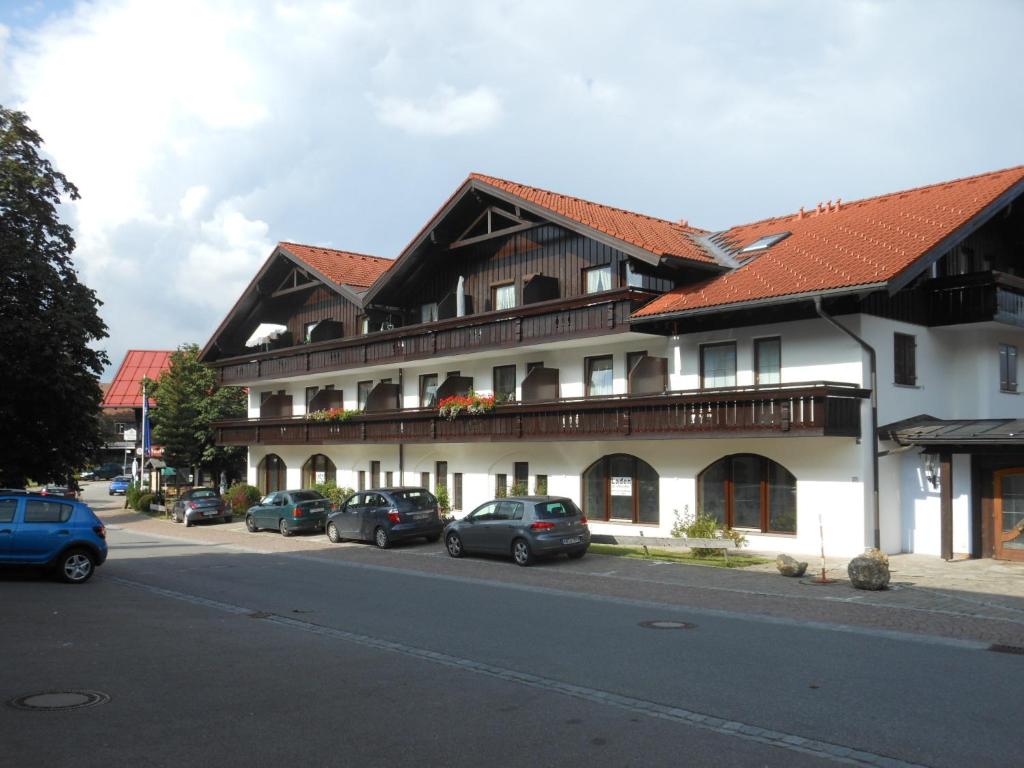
[[736, 559]]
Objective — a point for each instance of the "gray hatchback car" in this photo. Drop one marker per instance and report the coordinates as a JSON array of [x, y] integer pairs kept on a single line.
[[386, 515], [526, 527]]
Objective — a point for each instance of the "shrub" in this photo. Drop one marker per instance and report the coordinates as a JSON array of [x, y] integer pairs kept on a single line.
[[334, 414], [443, 502], [241, 496], [142, 502], [518, 489], [331, 491], [132, 495], [540, 485], [704, 526]]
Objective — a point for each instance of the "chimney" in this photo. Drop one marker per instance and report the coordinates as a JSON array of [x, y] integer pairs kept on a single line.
[[839, 203], [800, 215]]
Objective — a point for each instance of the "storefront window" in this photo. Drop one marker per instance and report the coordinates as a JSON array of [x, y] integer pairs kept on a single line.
[[621, 487], [749, 491]]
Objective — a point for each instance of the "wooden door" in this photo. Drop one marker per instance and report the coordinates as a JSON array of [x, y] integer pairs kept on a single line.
[[1008, 510]]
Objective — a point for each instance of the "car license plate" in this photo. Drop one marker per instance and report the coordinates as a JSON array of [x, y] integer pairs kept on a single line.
[[209, 511], [573, 540]]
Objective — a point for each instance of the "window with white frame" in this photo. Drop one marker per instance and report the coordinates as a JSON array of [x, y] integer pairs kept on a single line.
[[718, 365], [598, 279], [503, 296]]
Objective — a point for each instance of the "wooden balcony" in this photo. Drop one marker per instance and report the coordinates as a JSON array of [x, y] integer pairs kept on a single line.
[[811, 409], [974, 298], [603, 314]]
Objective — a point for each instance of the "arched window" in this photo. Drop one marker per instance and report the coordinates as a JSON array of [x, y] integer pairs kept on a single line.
[[272, 474], [749, 491], [621, 487], [318, 469]]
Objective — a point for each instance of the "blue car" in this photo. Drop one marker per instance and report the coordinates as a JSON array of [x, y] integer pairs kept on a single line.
[[119, 485], [60, 534]]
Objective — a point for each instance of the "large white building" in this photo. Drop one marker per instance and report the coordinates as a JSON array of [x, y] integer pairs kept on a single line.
[[855, 364]]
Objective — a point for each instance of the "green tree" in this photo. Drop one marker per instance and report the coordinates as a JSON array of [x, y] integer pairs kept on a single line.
[[50, 396], [188, 400]]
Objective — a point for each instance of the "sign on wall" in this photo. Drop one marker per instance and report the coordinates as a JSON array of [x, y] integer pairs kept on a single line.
[[321, 477], [622, 486], [130, 436]]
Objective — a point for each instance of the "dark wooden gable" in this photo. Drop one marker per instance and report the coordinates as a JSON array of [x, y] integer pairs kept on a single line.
[[491, 243], [291, 294]]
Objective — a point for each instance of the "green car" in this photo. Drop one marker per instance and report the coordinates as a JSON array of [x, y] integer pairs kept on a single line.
[[289, 511]]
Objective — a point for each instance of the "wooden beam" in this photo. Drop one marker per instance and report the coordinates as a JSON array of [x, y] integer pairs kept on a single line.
[[946, 505]]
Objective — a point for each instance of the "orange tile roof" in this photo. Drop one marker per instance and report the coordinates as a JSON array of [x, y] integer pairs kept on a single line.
[[343, 267], [665, 238], [125, 391], [852, 244]]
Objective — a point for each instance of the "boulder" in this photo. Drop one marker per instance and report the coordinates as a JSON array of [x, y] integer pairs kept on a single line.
[[789, 566], [869, 571]]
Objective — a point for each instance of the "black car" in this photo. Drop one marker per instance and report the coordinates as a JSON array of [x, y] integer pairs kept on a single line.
[[107, 471], [525, 527], [386, 515]]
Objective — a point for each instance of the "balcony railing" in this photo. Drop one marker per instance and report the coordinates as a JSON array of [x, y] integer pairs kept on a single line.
[[605, 313], [976, 297], [809, 409]]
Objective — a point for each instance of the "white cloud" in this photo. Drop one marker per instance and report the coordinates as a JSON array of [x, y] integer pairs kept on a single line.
[[193, 199], [224, 258], [447, 113]]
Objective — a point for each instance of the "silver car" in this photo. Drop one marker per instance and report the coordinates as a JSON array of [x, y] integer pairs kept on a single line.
[[525, 527]]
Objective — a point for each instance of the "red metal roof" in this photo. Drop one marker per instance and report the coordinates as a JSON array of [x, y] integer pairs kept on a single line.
[[125, 390], [839, 246], [665, 238], [343, 267]]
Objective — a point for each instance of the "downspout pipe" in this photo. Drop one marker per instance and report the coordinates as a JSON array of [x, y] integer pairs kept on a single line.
[[401, 445], [872, 365]]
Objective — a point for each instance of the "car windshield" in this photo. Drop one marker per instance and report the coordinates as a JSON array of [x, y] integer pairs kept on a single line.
[[122, 479], [306, 496], [418, 498], [553, 510], [205, 493]]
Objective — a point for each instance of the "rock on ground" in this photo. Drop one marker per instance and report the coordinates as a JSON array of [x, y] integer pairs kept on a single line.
[[789, 566]]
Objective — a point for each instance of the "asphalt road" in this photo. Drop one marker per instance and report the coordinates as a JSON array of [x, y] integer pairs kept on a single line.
[[219, 654]]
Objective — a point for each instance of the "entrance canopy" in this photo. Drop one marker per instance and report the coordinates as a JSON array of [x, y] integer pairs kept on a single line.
[[928, 431]]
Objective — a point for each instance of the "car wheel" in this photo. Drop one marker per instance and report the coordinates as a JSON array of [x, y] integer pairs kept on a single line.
[[282, 526], [522, 553], [332, 534], [576, 554], [453, 543], [250, 524], [380, 538], [228, 519], [188, 523], [76, 566], [433, 537]]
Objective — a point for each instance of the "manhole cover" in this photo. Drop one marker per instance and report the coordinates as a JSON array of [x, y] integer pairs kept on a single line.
[[666, 625], [54, 701]]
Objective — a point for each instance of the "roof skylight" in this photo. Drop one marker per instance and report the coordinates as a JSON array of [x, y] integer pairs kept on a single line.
[[766, 242]]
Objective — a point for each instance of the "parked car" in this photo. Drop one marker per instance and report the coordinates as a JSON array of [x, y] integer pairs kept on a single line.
[[200, 504], [119, 485], [386, 515], [87, 474], [56, 533], [525, 527], [108, 471], [289, 511], [63, 491]]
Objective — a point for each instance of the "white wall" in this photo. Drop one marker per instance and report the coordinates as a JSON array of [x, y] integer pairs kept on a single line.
[[827, 472]]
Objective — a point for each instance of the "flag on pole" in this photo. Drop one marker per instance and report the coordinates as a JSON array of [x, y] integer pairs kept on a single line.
[[145, 425]]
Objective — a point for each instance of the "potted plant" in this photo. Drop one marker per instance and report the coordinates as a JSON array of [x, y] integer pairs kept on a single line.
[[470, 403]]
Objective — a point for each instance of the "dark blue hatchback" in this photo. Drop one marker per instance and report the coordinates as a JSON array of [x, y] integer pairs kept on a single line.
[[60, 534]]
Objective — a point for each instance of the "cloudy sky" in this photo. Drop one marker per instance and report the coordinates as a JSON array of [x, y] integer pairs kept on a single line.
[[201, 133]]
